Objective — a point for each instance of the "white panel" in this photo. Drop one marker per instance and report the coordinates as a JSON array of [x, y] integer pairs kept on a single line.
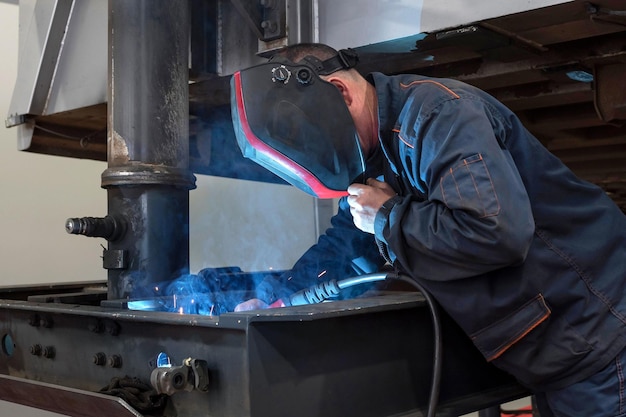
[[357, 23], [81, 76], [252, 225], [38, 193], [33, 26], [79, 68]]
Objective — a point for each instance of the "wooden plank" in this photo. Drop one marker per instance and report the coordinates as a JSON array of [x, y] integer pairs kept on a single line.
[[570, 31], [544, 95]]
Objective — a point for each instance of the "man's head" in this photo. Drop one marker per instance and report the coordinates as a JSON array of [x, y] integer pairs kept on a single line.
[[301, 115], [338, 68], [295, 53], [322, 58]]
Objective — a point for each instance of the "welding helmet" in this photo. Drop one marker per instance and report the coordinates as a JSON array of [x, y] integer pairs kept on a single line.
[[290, 121]]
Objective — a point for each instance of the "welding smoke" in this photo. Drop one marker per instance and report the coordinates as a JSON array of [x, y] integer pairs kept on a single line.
[[211, 292], [193, 294]]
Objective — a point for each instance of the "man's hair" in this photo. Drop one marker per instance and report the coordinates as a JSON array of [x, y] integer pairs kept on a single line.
[[295, 53], [320, 53]]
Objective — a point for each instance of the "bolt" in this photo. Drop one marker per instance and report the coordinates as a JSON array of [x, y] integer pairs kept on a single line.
[[96, 326], [34, 320], [269, 25], [46, 322], [112, 327], [99, 359], [35, 349], [49, 352], [268, 4], [178, 380], [115, 361]]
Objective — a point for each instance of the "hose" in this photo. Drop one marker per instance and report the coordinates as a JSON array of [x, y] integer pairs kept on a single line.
[[327, 289], [437, 348]]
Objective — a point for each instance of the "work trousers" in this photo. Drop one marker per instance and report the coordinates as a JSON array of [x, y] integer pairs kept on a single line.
[[601, 395]]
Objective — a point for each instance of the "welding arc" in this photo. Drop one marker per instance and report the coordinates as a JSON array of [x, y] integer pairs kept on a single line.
[[324, 290]]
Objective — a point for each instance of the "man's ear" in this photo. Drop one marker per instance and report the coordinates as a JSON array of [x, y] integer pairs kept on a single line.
[[343, 88]]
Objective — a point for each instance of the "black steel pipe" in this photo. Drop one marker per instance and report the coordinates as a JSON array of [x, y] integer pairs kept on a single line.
[[148, 178]]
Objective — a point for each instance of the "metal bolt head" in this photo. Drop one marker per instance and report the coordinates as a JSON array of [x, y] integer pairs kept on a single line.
[[36, 349], [99, 359], [269, 25], [268, 4], [115, 361], [46, 322], [49, 352], [96, 326], [34, 320], [112, 327]]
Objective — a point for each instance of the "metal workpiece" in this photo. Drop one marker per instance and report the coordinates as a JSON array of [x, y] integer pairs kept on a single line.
[[155, 248], [148, 178], [63, 400], [135, 173], [370, 357], [148, 82]]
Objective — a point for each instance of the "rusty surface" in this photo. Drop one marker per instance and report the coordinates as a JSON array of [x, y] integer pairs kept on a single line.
[[58, 399]]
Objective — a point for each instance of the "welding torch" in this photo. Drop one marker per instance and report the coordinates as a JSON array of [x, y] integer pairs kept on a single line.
[[326, 289]]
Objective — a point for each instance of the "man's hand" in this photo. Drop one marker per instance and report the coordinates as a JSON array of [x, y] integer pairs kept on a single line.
[[252, 304], [365, 201]]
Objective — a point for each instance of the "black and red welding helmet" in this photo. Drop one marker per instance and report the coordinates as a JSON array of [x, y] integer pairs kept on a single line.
[[290, 121]]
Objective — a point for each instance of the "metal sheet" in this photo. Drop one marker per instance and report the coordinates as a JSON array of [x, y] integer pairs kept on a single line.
[[374, 22], [372, 356], [62, 400], [62, 58]]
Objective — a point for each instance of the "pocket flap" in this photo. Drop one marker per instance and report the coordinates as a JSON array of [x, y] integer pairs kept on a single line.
[[493, 340]]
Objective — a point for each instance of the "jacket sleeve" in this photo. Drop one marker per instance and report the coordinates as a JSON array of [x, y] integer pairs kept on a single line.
[[476, 216], [343, 251]]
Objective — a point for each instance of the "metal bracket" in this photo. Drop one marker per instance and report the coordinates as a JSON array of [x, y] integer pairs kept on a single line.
[[115, 259], [191, 375], [610, 102], [266, 18]]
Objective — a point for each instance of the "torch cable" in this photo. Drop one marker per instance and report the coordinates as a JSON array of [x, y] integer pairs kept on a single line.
[[324, 290], [437, 344]]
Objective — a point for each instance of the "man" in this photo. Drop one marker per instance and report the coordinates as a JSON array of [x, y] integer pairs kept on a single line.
[[527, 258]]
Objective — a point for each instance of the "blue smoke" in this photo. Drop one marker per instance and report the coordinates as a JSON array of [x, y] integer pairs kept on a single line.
[[211, 292]]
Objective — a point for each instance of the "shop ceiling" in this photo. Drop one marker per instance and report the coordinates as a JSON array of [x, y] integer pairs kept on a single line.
[[562, 69]]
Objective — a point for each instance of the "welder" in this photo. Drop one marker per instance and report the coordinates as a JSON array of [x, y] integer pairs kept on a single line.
[[442, 182]]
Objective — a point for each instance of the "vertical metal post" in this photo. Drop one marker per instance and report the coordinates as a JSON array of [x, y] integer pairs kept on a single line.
[[148, 178]]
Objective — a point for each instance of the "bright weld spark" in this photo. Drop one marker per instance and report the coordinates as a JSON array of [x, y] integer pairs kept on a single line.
[[180, 310], [321, 274], [211, 311]]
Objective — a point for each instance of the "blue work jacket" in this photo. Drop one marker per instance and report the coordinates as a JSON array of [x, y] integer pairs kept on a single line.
[[526, 257]]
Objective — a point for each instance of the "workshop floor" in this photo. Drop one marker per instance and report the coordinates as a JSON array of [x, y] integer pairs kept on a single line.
[[513, 405]]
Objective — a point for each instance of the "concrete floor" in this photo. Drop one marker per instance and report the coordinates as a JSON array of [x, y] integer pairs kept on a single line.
[[513, 405]]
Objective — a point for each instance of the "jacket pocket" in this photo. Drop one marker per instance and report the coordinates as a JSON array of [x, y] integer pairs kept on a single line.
[[494, 340], [468, 186], [532, 345]]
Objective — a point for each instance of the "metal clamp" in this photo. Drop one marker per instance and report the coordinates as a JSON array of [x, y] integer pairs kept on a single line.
[[192, 375]]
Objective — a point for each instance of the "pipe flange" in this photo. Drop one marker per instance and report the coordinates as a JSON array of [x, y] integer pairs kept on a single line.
[[148, 174]]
